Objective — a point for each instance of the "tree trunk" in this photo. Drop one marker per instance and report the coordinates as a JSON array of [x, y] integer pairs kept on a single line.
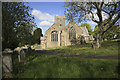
[[100, 34], [99, 39]]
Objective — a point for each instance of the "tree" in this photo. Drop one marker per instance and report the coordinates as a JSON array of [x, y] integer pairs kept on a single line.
[[109, 34], [82, 11], [36, 35], [24, 33], [95, 32], [87, 26], [16, 24]]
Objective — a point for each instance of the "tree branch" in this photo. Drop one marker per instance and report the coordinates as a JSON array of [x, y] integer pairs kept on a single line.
[[111, 23], [89, 11], [93, 17], [111, 14], [106, 12], [101, 5], [99, 13]]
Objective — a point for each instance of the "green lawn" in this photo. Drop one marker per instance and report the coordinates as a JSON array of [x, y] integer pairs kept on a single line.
[[40, 65], [50, 66], [110, 48]]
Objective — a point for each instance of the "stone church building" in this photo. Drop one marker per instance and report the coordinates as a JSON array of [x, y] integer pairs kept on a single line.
[[60, 35]]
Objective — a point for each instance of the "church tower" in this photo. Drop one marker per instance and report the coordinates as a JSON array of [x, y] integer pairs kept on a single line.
[[60, 21]]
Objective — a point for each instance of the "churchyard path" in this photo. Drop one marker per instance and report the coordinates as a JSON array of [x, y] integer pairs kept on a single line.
[[97, 56]]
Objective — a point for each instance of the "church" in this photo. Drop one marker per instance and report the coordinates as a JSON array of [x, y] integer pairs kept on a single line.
[[60, 35]]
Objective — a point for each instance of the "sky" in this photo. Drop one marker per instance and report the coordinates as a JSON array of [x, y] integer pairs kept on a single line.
[[44, 13]]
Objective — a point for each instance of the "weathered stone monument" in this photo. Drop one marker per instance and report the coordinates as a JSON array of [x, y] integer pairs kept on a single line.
[[7, 63], [21, 58], [37, 48], [95, 45], [21, 54]]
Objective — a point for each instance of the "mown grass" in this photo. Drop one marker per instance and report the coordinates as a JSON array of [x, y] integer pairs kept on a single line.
[[109, 48], [40, 65], [51, 66]]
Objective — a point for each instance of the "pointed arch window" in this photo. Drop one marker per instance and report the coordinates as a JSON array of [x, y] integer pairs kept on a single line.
[[72, 33], [54, 36]]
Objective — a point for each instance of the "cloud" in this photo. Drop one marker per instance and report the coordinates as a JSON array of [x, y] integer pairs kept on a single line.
[[42, 16], [45, 23], [91, 22], [104, 15]]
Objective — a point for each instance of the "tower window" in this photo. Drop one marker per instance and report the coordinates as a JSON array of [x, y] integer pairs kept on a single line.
[[60, 24]]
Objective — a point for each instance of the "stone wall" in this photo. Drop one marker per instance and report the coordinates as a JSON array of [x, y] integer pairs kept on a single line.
[[63, 33], [49, 43], [60, 21], [87, 39]]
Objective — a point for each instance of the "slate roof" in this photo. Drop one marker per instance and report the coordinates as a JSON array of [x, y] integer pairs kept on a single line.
[[85, 31]]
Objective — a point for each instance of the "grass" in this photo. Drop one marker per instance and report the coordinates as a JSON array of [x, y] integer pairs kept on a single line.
[[51, 66], [109, 48], [33, 46], [40, 65]]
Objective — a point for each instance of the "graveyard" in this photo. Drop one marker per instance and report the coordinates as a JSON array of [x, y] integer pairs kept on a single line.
[[108, 48], [44, 64], [60, 40], [66, 67]]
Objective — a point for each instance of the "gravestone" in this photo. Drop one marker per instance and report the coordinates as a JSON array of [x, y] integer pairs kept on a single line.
[[22, 59], [7, 63], [22, 55], [18, 49], [95, 45], [37, 48]]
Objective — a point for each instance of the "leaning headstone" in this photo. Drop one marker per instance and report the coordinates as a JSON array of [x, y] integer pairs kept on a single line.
[[7, 63], [24, 47], [18, 49], [22, 60], [22, 55]]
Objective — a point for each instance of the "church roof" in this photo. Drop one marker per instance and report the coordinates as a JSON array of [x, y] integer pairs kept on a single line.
[[85, 31]]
